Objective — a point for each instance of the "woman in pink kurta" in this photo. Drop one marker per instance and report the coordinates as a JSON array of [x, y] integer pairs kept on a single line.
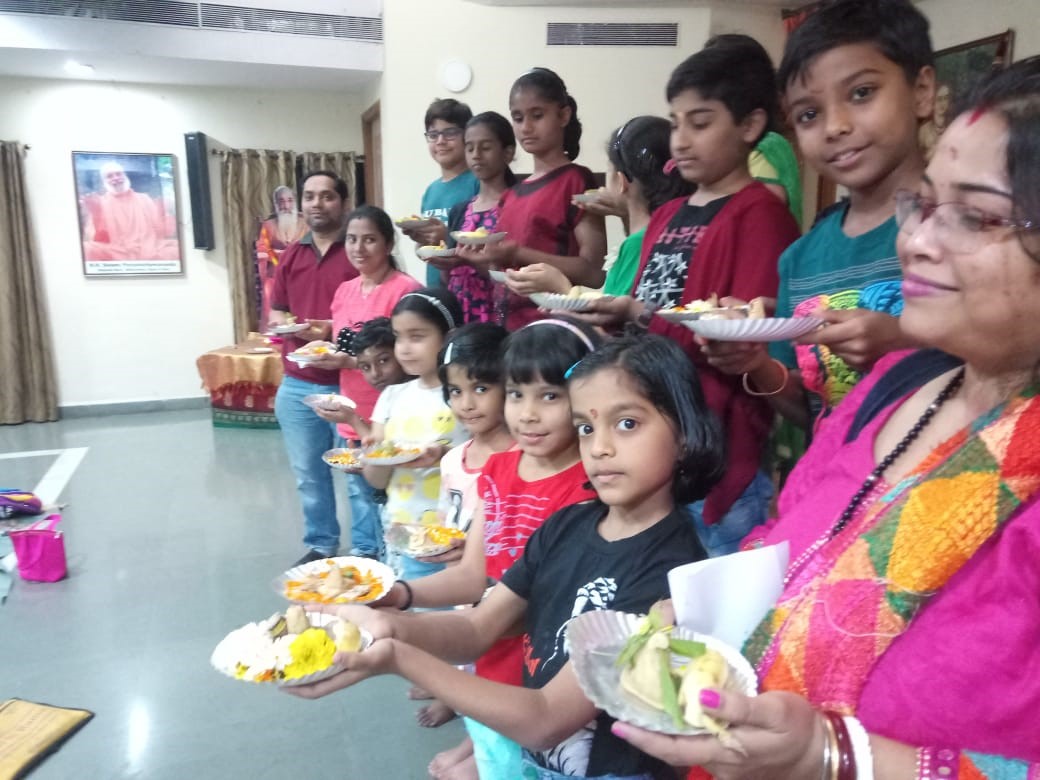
[[905, 641]]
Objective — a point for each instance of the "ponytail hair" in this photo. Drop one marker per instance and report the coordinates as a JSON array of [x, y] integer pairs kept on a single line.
[[638, 150], [551, 87], [502, 129]]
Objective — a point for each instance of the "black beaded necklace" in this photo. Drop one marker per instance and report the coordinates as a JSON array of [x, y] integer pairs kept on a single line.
[[911, 436]]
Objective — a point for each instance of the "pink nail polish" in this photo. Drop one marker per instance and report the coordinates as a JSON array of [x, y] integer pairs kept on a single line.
[[710, 698], [618, 730]]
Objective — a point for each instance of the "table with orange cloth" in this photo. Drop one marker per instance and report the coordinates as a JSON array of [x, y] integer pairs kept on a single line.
[[242, 381]]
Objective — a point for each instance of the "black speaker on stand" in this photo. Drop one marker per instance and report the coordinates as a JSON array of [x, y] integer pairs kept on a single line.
[[197, 155]]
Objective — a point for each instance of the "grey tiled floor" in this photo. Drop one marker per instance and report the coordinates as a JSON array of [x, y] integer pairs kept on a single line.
[[174, 531]]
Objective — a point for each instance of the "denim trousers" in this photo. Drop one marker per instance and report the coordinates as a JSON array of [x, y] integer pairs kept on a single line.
[[307, 437], [366, 527], [748, 511]]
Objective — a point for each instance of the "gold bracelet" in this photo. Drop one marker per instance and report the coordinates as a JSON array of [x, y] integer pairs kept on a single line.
[[783, 384]]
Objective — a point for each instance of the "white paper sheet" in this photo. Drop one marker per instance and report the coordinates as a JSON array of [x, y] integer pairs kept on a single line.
[[727, 597]]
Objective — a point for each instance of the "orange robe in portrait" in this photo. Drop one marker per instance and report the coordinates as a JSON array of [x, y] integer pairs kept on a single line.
[[128, 226]]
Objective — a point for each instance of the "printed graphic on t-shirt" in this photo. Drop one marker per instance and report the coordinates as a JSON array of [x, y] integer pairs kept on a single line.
[[572, 755], [510, 521], [453, 517], [665, 274]]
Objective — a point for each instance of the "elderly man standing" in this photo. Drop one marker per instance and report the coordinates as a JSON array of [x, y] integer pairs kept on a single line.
[[125, 225], [305, 281], [276, 232]]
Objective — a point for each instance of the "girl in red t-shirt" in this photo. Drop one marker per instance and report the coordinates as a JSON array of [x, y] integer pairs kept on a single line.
[[520, 489], [537, 213]]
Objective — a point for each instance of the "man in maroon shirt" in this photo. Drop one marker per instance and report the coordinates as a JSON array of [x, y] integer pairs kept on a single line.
[[308, 274]]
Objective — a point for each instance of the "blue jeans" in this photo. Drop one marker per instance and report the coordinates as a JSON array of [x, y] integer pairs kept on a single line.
[[748, 511], [307, 438], [366, 529]]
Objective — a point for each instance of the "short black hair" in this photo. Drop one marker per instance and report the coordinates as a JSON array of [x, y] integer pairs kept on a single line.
[[896, 27], [383, 224], [476, 347], [435, 304], [750, 49], [449, 110], [726, 73], [547, 349], [668, 380], [1014, 93], [639, 150], [375, 333], [338, 184]]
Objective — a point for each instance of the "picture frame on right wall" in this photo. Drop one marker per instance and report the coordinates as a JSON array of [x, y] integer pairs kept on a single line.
[[957, 70]]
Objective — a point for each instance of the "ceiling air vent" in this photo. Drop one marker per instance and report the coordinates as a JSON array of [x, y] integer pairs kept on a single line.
[[171, 12], [612, 34], [232, 17]]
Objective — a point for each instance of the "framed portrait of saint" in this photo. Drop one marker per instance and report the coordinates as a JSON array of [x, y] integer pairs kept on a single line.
[[128, 221], [957, 70]]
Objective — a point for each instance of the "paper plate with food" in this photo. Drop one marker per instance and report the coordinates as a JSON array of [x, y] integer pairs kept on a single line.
[[414, 221], [421, 540], [441, 250], [649, 674], [342, 580], [710, 309], [289, 326], [391, 453], [576, 300], [344, 459], [589, 196], [308, 354], [294, 648], [328, 402], [477, 237], [763, 329]]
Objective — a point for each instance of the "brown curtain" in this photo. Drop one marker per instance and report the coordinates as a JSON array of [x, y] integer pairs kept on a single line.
[[340, 162], [249, 177], [28, 385]]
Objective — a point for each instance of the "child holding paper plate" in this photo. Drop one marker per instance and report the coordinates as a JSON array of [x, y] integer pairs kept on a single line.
[[649, 445]]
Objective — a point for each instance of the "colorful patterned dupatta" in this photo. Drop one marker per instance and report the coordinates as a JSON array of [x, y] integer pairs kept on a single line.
[[856, 593]]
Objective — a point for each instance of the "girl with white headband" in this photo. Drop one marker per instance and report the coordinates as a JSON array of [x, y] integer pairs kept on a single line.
[[415, 414]]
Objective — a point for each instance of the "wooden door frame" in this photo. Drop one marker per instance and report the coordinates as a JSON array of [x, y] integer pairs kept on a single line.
[[373, 161]]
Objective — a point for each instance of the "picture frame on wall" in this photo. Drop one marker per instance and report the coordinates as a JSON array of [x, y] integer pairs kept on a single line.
[[957, 70], [128, 218]]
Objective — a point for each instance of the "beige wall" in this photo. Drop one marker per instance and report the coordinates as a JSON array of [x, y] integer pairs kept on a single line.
[[610, 84], [137, 339], [960, 21]]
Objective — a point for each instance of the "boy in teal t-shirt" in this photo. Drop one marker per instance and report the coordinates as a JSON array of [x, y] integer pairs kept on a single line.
[[858, 78], [445, 124]]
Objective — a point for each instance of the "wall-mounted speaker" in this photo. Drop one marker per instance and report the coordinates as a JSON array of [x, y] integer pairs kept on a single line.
[[197, 156]]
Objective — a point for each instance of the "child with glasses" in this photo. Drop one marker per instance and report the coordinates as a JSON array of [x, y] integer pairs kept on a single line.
[[858, 78], [445, 124]]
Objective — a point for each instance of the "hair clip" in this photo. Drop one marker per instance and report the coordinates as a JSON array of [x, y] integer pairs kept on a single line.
[[569, 371], [447, 354]]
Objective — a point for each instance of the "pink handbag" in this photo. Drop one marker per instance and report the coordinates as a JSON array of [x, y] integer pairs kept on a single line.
[[40, 550]]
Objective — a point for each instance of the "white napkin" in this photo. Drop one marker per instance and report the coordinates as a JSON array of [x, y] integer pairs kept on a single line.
[[727, 597]]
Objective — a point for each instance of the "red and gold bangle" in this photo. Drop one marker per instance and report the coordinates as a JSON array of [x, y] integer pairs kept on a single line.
[[845, 761]]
